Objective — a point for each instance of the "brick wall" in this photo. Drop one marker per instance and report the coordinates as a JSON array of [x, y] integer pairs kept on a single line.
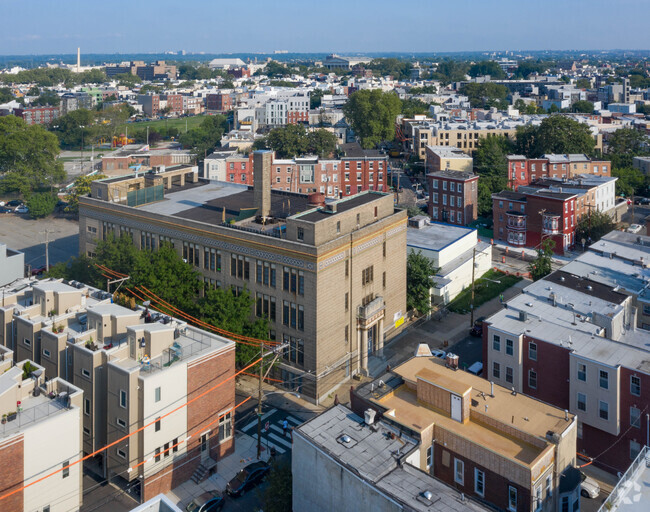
[[12, 472], [552, 367]]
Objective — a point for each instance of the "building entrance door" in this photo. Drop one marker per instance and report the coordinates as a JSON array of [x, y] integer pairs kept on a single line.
[[456, 408], [205, 452], [371, 338]]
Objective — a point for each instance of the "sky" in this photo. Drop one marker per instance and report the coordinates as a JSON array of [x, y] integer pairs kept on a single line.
[[343, 26]]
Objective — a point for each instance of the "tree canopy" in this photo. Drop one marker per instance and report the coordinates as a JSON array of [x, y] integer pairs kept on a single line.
[[205, 137], [68, 127], [28, 157], [164, 273], [413, 106], [41, 204], [486, 94], [541, 266], [81, 188], [491, 165], [557, 134], [624, 144], [593, 226], [47, 77], [371, 114], [487, 67], [630, 181], [583, 106], [397, 68], [419, 272], [277, 495], [294, 140]]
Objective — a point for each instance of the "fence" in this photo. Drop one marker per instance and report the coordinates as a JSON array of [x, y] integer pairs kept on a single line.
[[145, 195], [624, 485], [31, 415]]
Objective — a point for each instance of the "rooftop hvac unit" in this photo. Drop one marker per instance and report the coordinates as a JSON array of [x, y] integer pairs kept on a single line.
[[369, 416], [452, 361]]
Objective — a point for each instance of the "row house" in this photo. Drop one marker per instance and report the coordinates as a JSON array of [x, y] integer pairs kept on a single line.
[[525, 219], [524, 171], [220, 102], [131, 367], [358, 170], [173, 102], [37, 115], [506, 450], [453, 197], [572, 342]]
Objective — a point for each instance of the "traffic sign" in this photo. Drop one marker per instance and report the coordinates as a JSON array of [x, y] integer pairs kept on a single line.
[[267, 426]]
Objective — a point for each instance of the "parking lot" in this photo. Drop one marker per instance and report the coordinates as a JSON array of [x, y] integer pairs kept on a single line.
[[22, 233]]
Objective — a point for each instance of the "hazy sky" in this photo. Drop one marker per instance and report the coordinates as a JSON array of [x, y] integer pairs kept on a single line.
[[218, 26]]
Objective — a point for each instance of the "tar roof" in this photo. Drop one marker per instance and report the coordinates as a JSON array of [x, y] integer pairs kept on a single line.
[[435, 236], [586, 286], [371, 454], [354, 150], [343, 205], [454, 175]]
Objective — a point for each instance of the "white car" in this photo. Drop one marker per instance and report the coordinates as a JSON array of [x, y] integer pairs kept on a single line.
[[634, 228], [589, 488], [21, 209]]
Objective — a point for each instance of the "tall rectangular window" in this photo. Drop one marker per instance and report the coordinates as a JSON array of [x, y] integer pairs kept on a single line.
[[603, 379], [509, 375], [225, 427], [635, 385], [512, 498], [532, 351], [496, 343], [157, 425], [459, 471], [496, 370], [157, 394], [510, 347], [603, 410], [479, 482], [635, 417], [122, 398], [581, 402], [582, 372], [532, 379], [429, 456], [66, 469]]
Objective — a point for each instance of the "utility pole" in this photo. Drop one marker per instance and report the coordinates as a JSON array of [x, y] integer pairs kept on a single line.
[[147, 135], [47, 247], [471, 324], [259, 404]]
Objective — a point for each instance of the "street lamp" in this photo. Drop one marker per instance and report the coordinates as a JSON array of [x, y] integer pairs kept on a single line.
[[82, 147]]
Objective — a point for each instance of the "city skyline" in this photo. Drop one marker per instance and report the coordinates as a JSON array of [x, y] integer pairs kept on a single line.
[[289, 25]]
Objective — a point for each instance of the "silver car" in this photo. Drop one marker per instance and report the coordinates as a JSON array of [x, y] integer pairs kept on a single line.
[[589, 488]]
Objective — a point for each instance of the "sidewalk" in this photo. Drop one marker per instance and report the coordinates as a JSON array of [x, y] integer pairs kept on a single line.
[[227, 468]]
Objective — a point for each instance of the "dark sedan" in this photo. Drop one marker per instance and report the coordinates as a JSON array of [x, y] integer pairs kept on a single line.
[[210, 501], [247, 478]]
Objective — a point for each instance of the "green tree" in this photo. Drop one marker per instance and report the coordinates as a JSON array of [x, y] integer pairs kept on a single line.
[[274, 69], [541, 266], [413, 106], [593, 226], [624, 144], [315, 98], [419, 272], [372, 114], [449, 70], [487, 94], [28, 157], [397, 68], [487, 67], [81, 188], [583, 106], [68, 127], [413, 211], [48, 98], [583, 83], [277, 496], [490, 156], [528, 67], [630, 181], [5, 95], [127, 79], [288, 141], [557, 134], [41, 204], [321, 142], [205, 137]]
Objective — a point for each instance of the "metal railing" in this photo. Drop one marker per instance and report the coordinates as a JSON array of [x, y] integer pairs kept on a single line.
[[624, 485], [31, 415]]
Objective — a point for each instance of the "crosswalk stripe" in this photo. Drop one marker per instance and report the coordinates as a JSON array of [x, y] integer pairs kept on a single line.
[[295, 420], [264, 443], [277, 429], [278, 439], [254, 422]]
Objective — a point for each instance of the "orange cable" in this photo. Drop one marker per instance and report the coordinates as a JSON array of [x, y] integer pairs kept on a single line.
[[203, 427], [90, 455]]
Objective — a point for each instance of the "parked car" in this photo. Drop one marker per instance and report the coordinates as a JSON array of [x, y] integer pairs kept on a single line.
[[439, 353], [38, 270], [641, 200], [21, 209], [634, 228], [14, 202], [589, 488], [4, 209], [477, 328], [476, 368], [210, 501], [247, 478]]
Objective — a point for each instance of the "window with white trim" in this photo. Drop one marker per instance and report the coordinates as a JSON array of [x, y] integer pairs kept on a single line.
[[512, 498], [429, 456], [123, 400], [225, 427], [479, 482], [603, 410], [459, 471], [581, 402]]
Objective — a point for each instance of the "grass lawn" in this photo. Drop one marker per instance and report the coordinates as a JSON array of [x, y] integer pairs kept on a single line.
[[480, 225], [484, 290], [192, 122]]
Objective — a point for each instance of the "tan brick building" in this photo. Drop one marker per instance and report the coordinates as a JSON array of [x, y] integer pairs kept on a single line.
[[331, 278]]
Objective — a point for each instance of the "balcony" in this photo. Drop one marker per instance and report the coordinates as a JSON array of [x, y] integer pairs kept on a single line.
[[516, 221], [550, 224], [371, 311]]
